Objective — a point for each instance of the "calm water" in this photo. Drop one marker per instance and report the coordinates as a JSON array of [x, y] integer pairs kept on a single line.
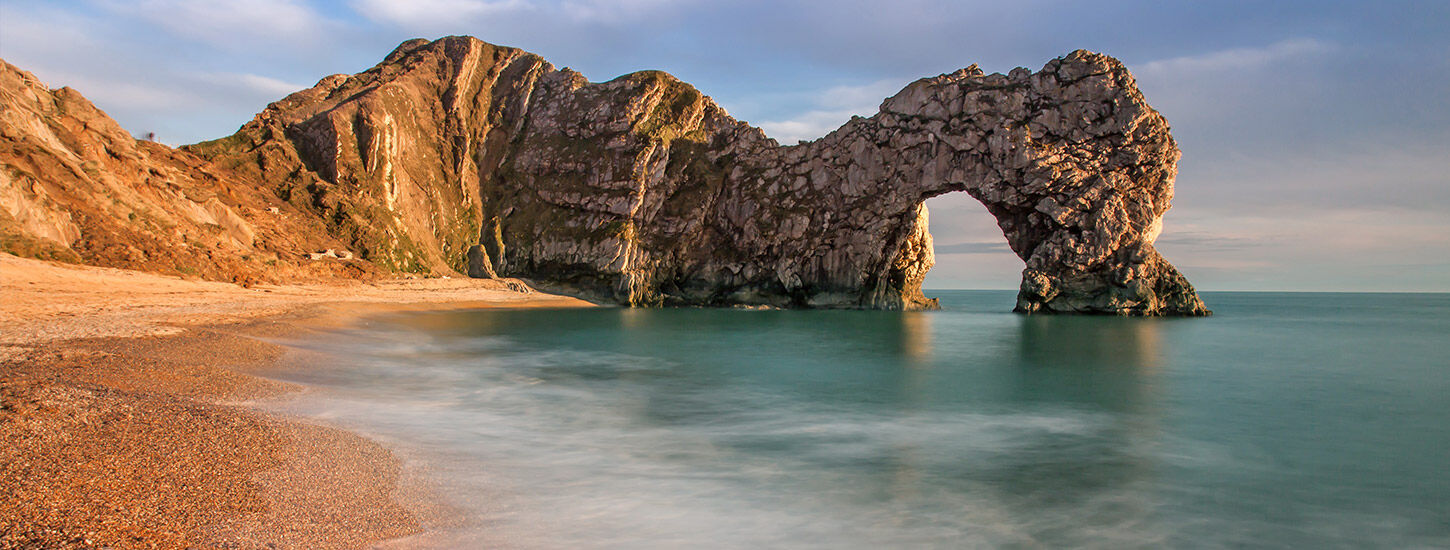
[[1285, 421]]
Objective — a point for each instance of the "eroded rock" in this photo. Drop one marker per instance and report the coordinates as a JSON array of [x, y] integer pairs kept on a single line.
[[76, 187], [461, 156]]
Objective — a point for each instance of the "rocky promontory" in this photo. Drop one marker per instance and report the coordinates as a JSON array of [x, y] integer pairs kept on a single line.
[[458, 156]]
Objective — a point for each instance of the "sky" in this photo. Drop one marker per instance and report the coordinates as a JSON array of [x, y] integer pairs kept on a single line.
[[1315, 134]]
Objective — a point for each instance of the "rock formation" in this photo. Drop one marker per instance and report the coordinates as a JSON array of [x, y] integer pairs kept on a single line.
[[643, 190], [74, 186], [461, 156]]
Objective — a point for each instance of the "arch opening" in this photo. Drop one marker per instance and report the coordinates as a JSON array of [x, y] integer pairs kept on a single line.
[[971, 252]]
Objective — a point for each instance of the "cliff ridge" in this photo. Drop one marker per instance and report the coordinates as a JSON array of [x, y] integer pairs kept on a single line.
[[461, 157]]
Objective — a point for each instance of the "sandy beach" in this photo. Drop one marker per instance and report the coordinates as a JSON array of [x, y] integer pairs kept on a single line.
[[124, 417]]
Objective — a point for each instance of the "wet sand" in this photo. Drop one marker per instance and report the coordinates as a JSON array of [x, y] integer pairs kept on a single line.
[[125, 418]]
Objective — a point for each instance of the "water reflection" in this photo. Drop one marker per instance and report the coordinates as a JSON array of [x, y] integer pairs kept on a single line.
[[915, 330], [1102, 361], [908, 463], [632, 318], [1104, 366], [1105, 342]]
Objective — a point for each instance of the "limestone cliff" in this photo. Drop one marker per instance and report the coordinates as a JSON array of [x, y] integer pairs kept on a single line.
[[74, 186], [458, 155]]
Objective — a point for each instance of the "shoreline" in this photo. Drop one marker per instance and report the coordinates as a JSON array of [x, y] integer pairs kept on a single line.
[[128, 416]]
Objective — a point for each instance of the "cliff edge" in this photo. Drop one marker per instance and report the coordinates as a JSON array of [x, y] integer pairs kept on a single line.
[[76, 187], [459, 156]]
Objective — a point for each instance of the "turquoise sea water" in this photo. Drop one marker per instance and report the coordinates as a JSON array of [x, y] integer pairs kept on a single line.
[[1286, 420]]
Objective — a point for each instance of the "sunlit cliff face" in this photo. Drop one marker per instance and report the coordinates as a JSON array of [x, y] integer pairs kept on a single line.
[[458, 155]]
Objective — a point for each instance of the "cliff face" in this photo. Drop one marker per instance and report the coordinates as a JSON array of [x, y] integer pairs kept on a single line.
[[457, 156], [461, 155], [75, 186]]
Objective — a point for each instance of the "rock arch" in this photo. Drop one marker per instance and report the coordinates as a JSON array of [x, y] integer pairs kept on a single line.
[[643, 191], [1075, 166]]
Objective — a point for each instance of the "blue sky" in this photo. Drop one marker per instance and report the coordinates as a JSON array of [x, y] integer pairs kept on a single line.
[[1316, 134]]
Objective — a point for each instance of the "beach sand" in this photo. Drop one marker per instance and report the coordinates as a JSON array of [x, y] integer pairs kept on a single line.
[[125, 418]]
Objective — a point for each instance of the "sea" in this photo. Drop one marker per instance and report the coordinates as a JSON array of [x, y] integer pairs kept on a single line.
[[1285, 420]]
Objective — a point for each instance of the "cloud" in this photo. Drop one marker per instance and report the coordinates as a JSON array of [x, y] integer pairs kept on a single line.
[[131, 64], [1208, 239], [865, 97], [430, 14], [979, 247], [830, 108], [171, 93], [808, 126], [25, 25], [1307, 247], [1283, 91], [1410, 176], [1298, 171], [439, 15], [109, 93], [1237, 59], [262, 86], [614, 11], [234, 23]]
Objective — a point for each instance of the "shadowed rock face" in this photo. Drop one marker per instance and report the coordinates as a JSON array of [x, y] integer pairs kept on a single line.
[[461, 155]]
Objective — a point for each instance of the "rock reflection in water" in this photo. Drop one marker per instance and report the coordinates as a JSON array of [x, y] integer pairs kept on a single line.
[[1104, 367]]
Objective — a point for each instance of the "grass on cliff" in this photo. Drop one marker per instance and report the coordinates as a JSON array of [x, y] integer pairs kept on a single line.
[[40, 249]]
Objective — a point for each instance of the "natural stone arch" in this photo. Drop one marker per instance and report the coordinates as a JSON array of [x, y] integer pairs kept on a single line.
[[1075, 166], [643, 191]]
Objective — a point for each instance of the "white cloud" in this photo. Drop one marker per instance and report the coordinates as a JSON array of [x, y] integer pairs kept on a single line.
[[166, 92], [425, 16], [429, 14], [21, 28], [1326, 219], [263, 86], [832, 108], [1308, 248], [130, 66], [110, 93], [1381, 174], [835, 106], [240, 22], [612, 11], [1237, 58], [806, 126]]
